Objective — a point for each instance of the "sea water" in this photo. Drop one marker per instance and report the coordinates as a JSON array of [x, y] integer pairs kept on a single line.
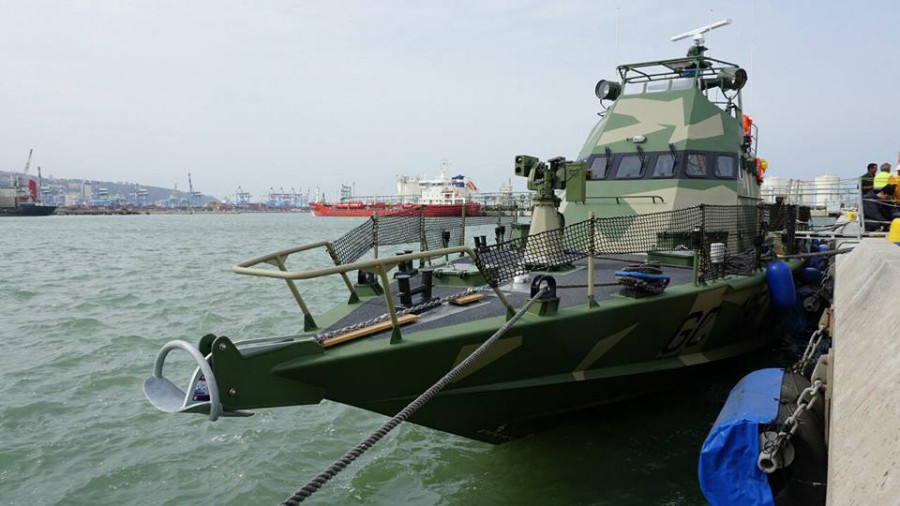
[[86, 302]]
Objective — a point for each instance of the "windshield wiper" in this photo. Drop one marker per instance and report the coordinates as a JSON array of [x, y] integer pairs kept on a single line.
[[608, 153], [643, 159], [674, 156]]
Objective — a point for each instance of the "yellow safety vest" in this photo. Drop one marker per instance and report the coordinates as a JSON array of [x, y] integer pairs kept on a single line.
[[882, 179]]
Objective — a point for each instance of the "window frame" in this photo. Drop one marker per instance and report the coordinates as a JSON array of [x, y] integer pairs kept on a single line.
[[618, 164], [674, 173], [734, 166], [687, 164], [606, 164]]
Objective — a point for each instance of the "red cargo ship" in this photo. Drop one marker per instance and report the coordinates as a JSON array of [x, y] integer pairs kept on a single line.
[[361, 209], [438, 197]]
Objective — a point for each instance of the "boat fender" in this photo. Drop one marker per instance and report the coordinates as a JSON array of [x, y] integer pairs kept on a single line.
[[781, 285], [809, 299], [757, 408], [815, 263], [728, 470], [811, 276]]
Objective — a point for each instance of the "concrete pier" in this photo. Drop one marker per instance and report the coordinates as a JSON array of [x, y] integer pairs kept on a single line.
[[864, 428]]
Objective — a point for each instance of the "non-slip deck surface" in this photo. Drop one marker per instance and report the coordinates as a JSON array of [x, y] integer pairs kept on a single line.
[[571, 289]]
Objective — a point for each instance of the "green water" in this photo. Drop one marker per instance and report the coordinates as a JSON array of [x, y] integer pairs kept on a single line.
[[86, 303]]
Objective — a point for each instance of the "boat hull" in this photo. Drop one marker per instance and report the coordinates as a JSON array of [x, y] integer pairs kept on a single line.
[[430, 210], [27, 210], [545, 367]]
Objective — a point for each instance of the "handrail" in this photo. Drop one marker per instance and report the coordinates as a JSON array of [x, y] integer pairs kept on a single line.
[[247, 268], [617, 198], [277, 259], [379, 266], [286, 252]]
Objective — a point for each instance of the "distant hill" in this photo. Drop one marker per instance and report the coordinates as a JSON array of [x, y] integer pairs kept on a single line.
[[154, 193]]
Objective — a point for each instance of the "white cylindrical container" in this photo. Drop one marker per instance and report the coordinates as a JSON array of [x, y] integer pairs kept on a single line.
[[773, 186], [717, 252], [806, 192], [828, 190]]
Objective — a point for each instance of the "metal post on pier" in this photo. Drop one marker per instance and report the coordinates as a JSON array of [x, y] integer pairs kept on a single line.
[[861, 229]]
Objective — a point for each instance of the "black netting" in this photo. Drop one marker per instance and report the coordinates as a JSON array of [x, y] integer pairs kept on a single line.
[[411, 226], [781, 216], [727, 239], [734, 233]]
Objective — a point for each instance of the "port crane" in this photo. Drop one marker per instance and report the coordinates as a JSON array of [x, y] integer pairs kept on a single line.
[[192, 195]]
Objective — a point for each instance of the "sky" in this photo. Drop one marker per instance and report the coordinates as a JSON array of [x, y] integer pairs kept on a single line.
[[300, 94]]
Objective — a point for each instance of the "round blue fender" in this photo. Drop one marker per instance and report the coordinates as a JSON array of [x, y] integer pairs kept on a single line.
[[811, 276], [781, 285], [815, 263]]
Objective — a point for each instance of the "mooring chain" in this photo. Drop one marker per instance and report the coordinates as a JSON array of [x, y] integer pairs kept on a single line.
[[773, 448], [811, 347], [378, 319], [340, 464]]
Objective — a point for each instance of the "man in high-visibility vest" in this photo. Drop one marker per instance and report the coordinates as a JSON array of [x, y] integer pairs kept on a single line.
[[882, 178]]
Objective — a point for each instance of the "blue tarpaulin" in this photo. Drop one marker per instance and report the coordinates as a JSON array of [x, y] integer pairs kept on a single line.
[[728, 472]]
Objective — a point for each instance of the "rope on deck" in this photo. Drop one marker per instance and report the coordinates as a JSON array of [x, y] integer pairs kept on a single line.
[[830, 252], [340, 464]]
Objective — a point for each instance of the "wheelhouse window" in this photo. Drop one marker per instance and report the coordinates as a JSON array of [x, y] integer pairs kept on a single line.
[[696, 165], [682, 83], [633, 88], [725, 167], [630, 167], [665, 166], [657, 86], [598, 167]]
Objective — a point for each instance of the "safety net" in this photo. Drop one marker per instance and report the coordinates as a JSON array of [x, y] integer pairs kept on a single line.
[[726, 239]]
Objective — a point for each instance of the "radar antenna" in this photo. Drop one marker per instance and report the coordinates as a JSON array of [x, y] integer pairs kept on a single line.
[[697, 33]]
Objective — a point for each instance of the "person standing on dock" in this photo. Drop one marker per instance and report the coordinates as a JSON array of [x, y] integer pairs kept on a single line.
[[867, 181], [882, 178]]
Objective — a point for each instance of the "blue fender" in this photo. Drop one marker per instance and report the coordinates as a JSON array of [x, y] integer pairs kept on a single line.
[[727, 469], [811, 276], [782, 292]]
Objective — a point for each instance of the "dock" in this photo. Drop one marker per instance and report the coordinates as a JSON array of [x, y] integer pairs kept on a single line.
[[864, 426]]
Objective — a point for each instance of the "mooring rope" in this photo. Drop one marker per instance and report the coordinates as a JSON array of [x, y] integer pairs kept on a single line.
[[830, 252], [340, 464]]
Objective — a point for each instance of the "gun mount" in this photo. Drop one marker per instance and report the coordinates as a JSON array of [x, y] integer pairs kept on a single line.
[[545, 178]]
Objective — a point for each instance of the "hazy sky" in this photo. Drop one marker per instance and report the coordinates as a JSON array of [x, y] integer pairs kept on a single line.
[[276, 93]]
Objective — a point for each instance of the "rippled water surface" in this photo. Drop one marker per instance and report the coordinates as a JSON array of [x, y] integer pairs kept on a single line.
[[86, 303]]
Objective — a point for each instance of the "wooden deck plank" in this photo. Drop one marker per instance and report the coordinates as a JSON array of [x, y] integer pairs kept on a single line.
[[367, 331]]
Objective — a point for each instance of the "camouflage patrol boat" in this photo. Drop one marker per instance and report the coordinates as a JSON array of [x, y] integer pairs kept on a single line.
[[647, 252]]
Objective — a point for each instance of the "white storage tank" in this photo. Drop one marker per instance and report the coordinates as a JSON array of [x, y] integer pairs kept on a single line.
[[773, 186], [828, 190], [806, 193]]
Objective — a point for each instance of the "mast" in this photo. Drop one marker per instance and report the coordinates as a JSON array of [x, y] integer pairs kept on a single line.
[[28, 163]]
